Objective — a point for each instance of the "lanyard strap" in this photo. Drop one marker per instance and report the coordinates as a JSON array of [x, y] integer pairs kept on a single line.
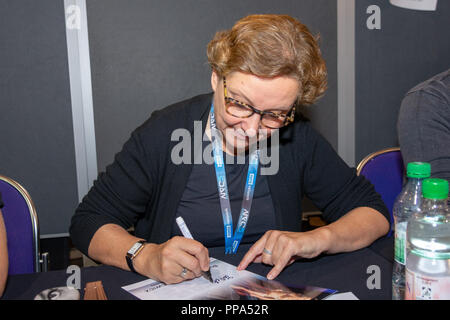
[[232, 241]]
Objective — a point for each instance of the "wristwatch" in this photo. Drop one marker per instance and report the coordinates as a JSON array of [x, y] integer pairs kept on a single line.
[[133, 252]]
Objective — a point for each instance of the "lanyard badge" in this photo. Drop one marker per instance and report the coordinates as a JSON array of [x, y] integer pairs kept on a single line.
[[232, 241]]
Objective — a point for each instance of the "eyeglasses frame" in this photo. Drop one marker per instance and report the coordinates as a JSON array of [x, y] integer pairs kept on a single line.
[[289, 115]]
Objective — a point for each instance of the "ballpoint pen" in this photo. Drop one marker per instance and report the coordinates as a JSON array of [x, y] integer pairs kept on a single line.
[[187, 234]]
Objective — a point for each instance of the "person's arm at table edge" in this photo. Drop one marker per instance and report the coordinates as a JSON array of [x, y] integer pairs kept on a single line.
[[110, 244], [357, 229], [3, 256], [355, 224]]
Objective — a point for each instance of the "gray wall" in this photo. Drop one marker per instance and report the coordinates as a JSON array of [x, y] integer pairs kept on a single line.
[[410, 47], [148, 54], [36, 135]]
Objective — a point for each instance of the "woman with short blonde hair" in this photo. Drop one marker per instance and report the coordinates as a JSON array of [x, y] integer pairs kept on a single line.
[[271, 46], [262, 68]]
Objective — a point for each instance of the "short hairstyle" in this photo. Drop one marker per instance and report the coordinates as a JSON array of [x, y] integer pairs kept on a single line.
[[269, 45]]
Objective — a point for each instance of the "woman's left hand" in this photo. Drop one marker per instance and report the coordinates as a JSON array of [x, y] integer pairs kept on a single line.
[[281, 248]]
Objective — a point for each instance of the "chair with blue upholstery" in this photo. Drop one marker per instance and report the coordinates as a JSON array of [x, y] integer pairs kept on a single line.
[[385, 170], [22, 229]]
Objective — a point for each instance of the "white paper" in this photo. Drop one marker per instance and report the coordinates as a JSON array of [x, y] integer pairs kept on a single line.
[[221, 272], [342, 296], [229, 284], [424, 5]]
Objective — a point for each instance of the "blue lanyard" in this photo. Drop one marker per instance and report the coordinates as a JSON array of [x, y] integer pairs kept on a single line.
[[232, 241]]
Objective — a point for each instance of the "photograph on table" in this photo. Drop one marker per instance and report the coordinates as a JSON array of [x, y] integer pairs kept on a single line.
[[228, 284]]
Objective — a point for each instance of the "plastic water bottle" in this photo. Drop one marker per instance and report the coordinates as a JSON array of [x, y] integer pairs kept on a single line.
[[428, 246], [407, 203]]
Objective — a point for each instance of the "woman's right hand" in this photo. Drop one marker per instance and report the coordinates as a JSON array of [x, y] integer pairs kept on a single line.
[[165, 262]]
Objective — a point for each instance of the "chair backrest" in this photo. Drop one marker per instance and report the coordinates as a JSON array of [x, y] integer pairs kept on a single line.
[[385, 170], [22, 229]]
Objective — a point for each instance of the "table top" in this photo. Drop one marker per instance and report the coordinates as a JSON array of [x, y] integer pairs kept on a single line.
[[366, 273]]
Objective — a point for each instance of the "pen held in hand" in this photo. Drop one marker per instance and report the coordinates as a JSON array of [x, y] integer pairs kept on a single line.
[[187, 234]]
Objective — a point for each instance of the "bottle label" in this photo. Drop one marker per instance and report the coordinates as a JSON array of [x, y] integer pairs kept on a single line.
[[400, 242], [420, 287]]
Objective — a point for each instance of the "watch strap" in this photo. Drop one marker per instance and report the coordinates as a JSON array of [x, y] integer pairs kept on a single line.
[[129, 258]]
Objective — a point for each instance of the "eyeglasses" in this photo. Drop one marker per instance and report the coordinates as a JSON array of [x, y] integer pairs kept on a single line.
[[269, 119]]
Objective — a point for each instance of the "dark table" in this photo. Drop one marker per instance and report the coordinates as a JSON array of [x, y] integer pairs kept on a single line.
[[344, 272]]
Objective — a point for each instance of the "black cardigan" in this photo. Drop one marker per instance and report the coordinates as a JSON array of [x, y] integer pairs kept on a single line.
[[142, 187]]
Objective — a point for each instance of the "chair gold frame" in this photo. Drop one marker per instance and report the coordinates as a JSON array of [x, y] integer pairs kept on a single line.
[[38, 260]]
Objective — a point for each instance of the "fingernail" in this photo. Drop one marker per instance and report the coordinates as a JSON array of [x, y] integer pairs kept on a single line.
[[270, 276]]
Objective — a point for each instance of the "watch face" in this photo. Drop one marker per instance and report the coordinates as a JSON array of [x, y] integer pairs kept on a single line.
[[134, 248]]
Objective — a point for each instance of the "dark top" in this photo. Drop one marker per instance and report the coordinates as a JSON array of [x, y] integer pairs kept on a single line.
[[424, 125], [200, 208], [143, 186]]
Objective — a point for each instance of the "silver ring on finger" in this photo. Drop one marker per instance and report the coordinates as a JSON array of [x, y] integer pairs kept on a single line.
[[183, 273], [266, 251]]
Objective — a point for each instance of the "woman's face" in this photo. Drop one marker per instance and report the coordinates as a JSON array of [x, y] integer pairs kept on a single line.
[[265, 94]]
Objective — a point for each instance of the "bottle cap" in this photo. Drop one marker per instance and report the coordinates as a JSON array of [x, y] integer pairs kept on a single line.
[[436, 189], [418, 170]]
